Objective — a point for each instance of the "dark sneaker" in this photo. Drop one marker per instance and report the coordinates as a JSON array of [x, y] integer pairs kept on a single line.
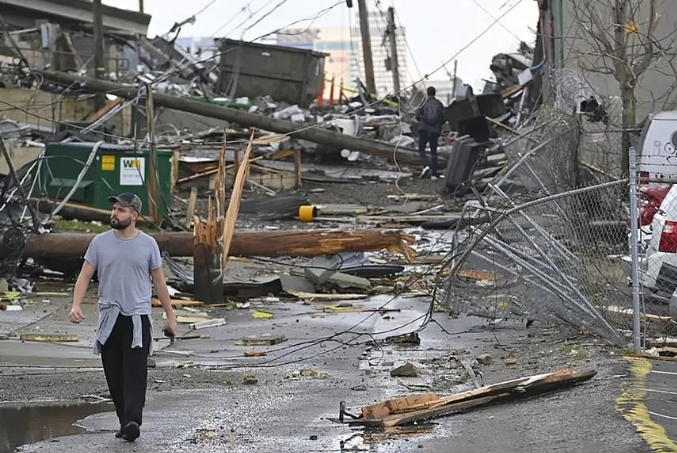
[[119, 433], [131, 432]]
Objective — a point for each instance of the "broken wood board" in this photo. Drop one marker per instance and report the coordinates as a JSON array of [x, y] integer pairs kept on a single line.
[[50, 338], [414, 196], [268, 140], [282, 154], [179, 302], [203, 324], [318, 296], [513, 389], [476, 275], [406, 218], [341, 209], [184, 319], [661, 342], [234, 204], [397, 405], [628, 313], [261, 340], [278, 182]]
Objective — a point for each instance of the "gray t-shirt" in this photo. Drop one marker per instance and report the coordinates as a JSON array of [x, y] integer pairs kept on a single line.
[[124, 268]]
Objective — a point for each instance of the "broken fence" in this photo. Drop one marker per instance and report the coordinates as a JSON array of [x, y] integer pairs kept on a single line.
[[556, 258]]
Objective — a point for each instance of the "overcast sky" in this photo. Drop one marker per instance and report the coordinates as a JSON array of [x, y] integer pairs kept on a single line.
[[436, 30]]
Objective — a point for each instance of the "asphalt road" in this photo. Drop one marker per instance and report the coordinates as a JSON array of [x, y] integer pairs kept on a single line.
[[661, 396], [289, 411]]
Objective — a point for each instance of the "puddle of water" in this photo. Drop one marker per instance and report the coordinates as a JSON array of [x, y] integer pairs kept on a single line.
[[20, 425], [372, 439]]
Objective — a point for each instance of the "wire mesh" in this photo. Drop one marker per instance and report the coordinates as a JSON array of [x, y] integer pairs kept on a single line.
[[544, 157], [599, 145], [555, 259]]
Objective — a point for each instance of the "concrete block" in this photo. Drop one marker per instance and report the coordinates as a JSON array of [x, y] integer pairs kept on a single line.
[[349, 281], [321, 268]]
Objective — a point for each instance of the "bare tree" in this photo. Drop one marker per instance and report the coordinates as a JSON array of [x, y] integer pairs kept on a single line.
[[621, 38]]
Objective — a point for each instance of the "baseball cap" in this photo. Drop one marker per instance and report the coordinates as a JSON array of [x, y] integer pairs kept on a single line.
[[127, 200]]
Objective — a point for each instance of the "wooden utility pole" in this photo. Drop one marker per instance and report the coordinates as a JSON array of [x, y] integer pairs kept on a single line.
[[141, 6], [366, 46], [394, 62], [242, 118], [207, 244], [453, 82], [153, 198], [99, 55], [245, 243]]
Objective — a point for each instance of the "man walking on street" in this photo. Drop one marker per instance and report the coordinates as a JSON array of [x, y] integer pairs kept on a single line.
[[431, 118], [127, 262]]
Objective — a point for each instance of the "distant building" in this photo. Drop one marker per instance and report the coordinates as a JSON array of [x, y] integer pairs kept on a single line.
[[445, 89], [334, 41], [344, 44], [380, 49]]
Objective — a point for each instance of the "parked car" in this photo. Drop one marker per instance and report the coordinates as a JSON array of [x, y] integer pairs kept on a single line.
[[658, 267], [650, 198], [657, 222]]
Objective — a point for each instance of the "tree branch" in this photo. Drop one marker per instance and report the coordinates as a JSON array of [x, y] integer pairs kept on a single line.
[[648, 56]]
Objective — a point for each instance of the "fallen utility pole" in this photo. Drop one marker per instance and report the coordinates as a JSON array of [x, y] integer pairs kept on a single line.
[[245, 243], [245, 119]]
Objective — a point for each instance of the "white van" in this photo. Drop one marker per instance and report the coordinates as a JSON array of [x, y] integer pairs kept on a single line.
[[658, 148]]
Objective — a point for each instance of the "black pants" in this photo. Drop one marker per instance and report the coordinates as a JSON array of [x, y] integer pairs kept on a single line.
[[126, 369], [425, 137]]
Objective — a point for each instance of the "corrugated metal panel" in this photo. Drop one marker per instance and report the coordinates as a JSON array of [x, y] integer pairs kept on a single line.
[[287, 74]]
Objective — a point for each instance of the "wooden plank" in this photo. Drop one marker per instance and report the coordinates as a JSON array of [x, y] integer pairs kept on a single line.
[[404, 419], [317, 296], [407, 218], [282, 154], [297, 168], [190, 211], [262, 340], [179, 303], [396, 405], [628, 314], [110, 105], [512, 389], [50, 338], [234, 204], [190, 319]]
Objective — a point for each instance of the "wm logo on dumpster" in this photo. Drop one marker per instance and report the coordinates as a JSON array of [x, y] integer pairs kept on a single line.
[[132, 163]]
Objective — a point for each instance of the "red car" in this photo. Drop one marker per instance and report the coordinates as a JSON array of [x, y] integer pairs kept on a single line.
[[650, 198]]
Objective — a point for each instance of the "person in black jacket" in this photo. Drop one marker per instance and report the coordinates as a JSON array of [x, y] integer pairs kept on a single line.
[[431, 118]]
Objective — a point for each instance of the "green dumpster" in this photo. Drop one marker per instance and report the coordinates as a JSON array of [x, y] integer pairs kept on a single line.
[[114, 169]]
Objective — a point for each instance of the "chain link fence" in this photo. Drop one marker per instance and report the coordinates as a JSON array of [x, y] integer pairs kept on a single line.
[[551, 239], [557, 258]]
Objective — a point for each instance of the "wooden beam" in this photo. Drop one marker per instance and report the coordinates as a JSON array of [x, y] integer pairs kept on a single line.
[[234, 205], [402, 411], [245, 243], [297, 167], [190, 211], [110, 105]]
